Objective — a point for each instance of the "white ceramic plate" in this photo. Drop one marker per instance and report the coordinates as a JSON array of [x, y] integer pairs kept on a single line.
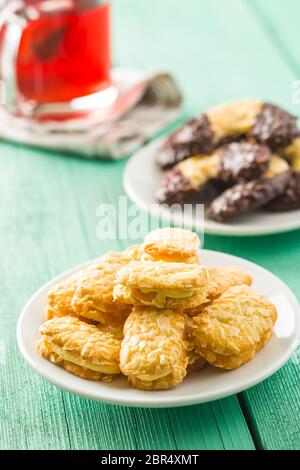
[[141, 181], [209, 384]]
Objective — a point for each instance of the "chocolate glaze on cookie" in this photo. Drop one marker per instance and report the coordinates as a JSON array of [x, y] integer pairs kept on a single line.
[[193, 138], [245, 197], [243, 161], [177, 189], [289, 200], [271, 126], [274, 127]]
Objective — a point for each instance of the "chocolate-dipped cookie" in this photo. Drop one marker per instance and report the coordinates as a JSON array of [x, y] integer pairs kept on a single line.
[[190, 181], [289, 200], [274, 127], [245, 197], [243, 161], [266, 123], [193, 138]]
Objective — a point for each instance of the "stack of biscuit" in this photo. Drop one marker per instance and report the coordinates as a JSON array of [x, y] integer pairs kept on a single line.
[[235, 158], [154, 314]]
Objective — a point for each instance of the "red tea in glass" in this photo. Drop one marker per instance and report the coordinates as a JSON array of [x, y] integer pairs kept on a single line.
[[60, 50]]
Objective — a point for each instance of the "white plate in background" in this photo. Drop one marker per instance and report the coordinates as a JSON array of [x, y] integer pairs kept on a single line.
[[142, 178]]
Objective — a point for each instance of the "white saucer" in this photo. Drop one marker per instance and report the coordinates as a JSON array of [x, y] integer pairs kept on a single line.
[[207, 385], [142, 178]]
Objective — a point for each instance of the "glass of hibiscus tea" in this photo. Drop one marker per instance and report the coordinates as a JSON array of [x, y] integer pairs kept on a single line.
[[55, 57]]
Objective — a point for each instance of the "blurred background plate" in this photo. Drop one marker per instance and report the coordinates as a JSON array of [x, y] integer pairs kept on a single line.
[[142, 178]]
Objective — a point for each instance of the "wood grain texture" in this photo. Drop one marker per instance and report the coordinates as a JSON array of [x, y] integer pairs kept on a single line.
[[282, 26], [219, 51], [256, 57], [194, 427], [48, 209], [273, 407]]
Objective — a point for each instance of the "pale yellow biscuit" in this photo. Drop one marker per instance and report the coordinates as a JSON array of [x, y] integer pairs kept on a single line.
[[200, 169], [171, 244], [195, 361], [116, 329], [153, 352], [292, 154], [160, 299], [233, 118], [45, 349], [277, 166], [85, 284], [132, 253], [161, 284], [60, 298], [230, 330], [93, 297], [83, 349], [222, 278], [233, 361]]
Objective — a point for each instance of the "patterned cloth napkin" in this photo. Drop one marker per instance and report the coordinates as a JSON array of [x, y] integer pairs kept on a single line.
[[146, 103]]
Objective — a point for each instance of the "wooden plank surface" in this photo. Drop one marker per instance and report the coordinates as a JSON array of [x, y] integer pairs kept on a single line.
[[48, 221], [281, 23], [277, 426], [235, 49], [217, 49]]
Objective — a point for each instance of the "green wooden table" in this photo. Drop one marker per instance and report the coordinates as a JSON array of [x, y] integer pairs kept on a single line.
[[219, 50]]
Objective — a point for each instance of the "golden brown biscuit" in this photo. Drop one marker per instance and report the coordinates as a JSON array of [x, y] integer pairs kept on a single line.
[[82, 349], [172, 245], [195, 361], [93, 297], [132, 253], [221, 279], [161, 284], [233, 361], [229, 331], [45, 349], [199, 170], [153, 352], [116, 329], [60, 298]]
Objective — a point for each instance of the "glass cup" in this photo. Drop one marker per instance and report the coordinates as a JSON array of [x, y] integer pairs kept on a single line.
[[55, 56]]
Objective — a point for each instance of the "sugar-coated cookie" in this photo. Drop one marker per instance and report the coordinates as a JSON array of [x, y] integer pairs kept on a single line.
[[93, 297], [153, 352], [82, 349], [230, 330], [161, 284], [171, 244]]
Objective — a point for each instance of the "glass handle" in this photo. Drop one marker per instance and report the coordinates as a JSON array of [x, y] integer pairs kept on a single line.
[[13, 25]]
